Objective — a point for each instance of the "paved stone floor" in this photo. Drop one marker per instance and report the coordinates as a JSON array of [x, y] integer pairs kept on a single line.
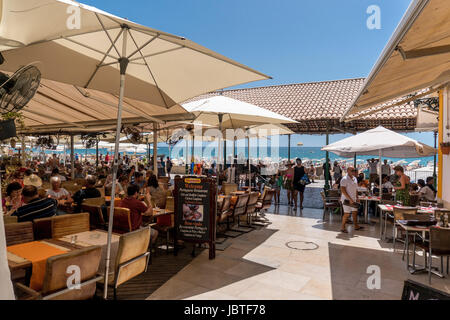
[[260, 265]]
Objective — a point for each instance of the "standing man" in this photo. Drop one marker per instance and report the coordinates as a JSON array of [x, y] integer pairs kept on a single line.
[[288, 178], [349, 190], [373, 169], [299, 183], [386, 169], [169, 166], [327, 171]]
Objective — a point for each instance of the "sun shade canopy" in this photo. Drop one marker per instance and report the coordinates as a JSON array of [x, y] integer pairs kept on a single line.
[[416, 58], [391, 144], [62, 108], [236, 114], [163, 69]]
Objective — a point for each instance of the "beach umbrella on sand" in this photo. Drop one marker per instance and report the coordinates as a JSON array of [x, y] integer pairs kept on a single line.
[[91, 49]]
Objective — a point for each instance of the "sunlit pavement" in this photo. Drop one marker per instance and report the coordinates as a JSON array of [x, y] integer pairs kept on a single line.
[[260, 265]]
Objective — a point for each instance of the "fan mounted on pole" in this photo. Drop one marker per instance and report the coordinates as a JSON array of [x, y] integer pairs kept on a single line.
[[133, 135], [15, 92]]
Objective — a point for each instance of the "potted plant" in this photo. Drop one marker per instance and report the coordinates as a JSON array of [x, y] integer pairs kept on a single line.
[[445, 147]]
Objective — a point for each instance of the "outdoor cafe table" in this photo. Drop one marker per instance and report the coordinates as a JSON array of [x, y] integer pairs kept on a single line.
[[32, 257], [95, 238], [385, 209], [366, 200]]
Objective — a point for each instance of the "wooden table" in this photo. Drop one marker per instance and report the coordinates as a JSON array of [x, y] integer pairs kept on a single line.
[[17, 263], [95, 238]]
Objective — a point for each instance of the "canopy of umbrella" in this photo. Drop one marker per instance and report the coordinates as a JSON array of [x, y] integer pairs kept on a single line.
[[91, 49]]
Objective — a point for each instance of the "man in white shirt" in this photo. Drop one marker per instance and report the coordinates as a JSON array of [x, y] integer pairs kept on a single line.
[[386, 183], [349, 190], [386, 168]]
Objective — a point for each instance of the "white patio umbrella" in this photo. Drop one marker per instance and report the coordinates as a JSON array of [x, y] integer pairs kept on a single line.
[[91, 49], [380, 142], [390, 143], [228, 113]]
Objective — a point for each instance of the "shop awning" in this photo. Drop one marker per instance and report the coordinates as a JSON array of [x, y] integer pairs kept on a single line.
[[417, 58]]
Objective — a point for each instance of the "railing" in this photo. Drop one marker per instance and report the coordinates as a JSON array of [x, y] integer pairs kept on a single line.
[[417, 175]]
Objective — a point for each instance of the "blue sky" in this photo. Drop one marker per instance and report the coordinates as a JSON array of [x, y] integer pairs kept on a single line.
[[291, 40]]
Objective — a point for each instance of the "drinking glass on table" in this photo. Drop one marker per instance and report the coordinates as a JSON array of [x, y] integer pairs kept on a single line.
[[73, 239]]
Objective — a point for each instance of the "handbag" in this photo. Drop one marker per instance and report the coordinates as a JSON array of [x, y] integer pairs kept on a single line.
[[305, 180]]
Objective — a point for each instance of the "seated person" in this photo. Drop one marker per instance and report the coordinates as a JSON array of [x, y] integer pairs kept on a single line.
[[55, 173], [362, 182], [387, 184], [139, 180], [59, 194], [137, 208], [89, 192], [35, 207], [428, 192], [158, 194], [13, 199]]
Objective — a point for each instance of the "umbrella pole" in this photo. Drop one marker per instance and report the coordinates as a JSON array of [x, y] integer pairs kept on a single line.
[[155, 149], [249, 166], [435, 160], [217, 169], [123, 68], [72, 158], [381, 173], [96, 153], [289, 147], [327, 165]]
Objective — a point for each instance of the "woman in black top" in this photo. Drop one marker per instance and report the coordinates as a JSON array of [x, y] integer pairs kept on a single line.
[[298, 183]]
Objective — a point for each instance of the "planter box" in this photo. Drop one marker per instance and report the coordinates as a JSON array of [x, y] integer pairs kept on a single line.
[[445, 148]]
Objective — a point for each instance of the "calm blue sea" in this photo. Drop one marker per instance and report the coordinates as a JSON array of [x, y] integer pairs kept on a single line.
[[305, 153]]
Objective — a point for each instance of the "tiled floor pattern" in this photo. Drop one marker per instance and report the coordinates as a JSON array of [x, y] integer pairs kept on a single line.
[[260, 265]]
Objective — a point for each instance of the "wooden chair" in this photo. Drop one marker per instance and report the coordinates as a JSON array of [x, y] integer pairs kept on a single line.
[[251, 207], [386, 196], [329, 206], [69, 224], [239, 209], [122, 220], [333, 193], [56, 277], [229, 188], [131, 259], [414, 200], [71, 187], [170, 204], [223, 213], [94, 207], [17, 233], [399, 214], [262, 206], [438, 245], [42, 228], [165, 227], [10, 219], [102, 191]]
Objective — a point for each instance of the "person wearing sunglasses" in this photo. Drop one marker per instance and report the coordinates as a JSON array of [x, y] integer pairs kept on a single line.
[[349, 198]]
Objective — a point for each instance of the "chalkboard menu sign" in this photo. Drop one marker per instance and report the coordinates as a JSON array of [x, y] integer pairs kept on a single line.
[[416, 291], [195, 211]]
